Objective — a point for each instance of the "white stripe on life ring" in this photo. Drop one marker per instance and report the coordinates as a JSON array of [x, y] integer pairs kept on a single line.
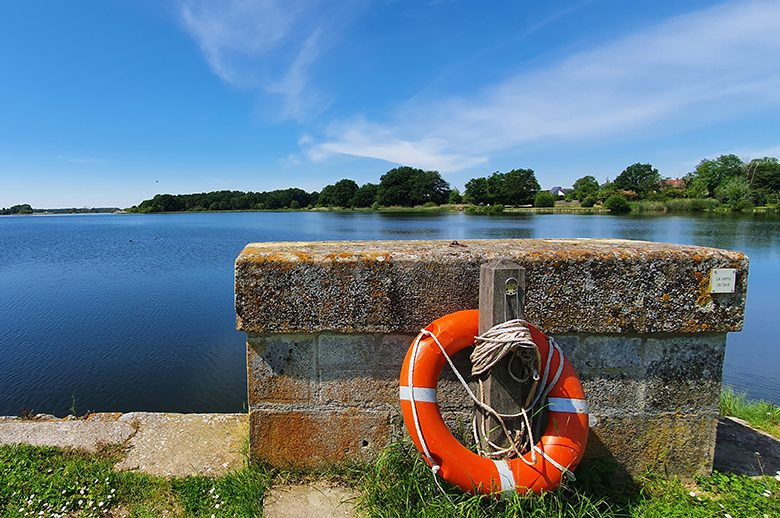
[[573, 406], [426, 395], [506, 476]]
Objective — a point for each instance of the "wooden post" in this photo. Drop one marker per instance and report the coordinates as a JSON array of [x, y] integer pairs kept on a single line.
[[501, 298]]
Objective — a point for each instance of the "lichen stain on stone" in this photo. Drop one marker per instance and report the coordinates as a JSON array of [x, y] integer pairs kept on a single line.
[[705, 297]]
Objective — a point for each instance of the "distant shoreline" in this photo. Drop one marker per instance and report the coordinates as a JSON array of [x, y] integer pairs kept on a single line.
[[438, 209]]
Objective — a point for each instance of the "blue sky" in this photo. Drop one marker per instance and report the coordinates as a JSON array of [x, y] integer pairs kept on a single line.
[[107, 102]]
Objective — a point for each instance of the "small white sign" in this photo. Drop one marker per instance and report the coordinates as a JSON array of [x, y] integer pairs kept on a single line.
[[723, 280]]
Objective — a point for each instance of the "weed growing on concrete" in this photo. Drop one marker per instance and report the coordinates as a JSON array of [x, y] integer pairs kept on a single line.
[[759, 414]]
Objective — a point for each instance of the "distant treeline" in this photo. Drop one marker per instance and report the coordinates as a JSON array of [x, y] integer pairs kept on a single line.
[[401, 186], [726, 181], [26, 208], [74, 210], [17, 209]]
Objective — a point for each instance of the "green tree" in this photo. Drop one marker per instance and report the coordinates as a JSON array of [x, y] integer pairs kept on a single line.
[[735, 192], [640, 178], [477, 191], [544, 199], [516, 187], [764, 173], [617, 204], [407, 186], [365, 196], [24, 208], [520, 187], [584, 187], [713, 173], [338, 194], [455, 197]]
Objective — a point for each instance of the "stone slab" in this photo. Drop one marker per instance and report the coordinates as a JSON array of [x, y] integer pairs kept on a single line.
[[319, 500], [592, 286], [178, 445], [745, 450], [85, 434]]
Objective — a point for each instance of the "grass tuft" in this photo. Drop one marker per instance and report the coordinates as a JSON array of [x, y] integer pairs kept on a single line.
[[762, 415]]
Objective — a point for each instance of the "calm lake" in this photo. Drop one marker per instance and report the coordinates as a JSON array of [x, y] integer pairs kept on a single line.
[[135, 312]]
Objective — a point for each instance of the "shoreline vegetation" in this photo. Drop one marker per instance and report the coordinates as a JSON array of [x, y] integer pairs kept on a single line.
[[51, 481], [719, 185], [723, 184]]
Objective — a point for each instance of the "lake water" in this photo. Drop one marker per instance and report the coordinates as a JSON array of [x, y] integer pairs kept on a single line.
[[135, 312]]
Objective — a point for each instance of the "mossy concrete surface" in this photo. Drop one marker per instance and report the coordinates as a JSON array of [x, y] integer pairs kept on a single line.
[[170, 445], [573, 285], [328, 325]]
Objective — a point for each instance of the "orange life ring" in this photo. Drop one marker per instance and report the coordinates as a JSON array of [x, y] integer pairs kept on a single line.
[[559, 450]]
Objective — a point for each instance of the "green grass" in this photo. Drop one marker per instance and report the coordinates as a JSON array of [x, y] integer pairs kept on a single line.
[[401, 484], [760, 414], [55, 481], [397, 484]]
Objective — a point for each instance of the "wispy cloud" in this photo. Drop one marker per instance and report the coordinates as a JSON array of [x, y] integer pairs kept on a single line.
[[690, 70], [80, 160], [268, 44]]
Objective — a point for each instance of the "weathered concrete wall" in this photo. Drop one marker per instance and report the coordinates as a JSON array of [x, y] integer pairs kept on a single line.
[[328, 326]]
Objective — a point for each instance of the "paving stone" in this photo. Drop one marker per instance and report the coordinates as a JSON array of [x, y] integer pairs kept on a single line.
[[742, 449], [84, 434], [318, 500], [179, 445]]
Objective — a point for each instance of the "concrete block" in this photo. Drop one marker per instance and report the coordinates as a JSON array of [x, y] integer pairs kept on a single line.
[[308, 439], [672, 445], [609, 396], [608, 355], [689, 396], [281, 368], [573, 285], [686, 357]]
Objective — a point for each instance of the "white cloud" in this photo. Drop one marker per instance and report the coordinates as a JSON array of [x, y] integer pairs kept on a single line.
[[80, 160], [690, 70], [268, 44]]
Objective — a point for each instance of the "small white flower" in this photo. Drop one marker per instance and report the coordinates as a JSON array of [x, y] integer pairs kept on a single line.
[[81, 502], [217, 506], [726, 515], [113, 490], [100, 504], [767, 493], [212, 489], [81, 491], [21, 510], [692, 493]]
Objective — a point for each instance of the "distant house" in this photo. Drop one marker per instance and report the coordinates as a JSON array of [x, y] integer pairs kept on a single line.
[[674, 183], [559, 191]]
